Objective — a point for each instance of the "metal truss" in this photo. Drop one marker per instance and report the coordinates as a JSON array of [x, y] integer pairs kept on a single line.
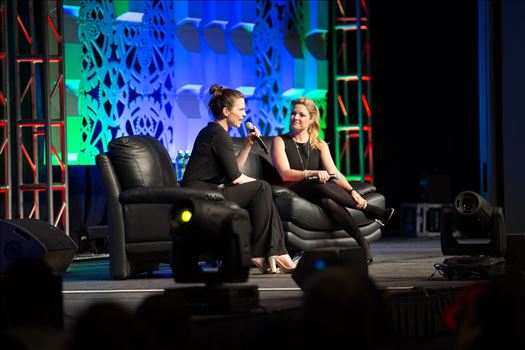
[[5, 144], [39, 110], [351, 86]]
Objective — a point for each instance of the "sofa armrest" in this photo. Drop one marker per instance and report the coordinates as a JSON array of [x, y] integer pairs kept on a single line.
[[165, 195], [363, 188], [282, 190]]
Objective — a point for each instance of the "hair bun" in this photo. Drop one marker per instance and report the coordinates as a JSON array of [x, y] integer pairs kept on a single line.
[[215, 89]]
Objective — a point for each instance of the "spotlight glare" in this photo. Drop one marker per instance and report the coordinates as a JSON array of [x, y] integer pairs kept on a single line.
[[184, 216]]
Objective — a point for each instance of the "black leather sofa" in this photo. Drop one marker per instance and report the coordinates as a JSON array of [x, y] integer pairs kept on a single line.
[[305, 224]]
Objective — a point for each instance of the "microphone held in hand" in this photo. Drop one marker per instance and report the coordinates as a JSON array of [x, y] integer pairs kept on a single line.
[[251, 128], [316, 177]]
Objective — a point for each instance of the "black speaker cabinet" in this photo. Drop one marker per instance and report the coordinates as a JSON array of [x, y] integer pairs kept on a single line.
[[31, 238], [315, 260], [515, 257]]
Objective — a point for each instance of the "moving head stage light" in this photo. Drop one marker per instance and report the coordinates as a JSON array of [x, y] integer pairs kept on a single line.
[[474, 229], [203, 231], [210, 230]]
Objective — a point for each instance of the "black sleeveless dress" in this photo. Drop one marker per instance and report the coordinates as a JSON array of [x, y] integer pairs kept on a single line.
[[301, 156]]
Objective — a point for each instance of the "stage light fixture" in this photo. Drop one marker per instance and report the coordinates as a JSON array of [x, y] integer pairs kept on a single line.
[[204, 230], [219, 231], [474, 230], [472, 214]]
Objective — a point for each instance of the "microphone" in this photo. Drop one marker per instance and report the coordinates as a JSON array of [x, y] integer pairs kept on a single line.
[[251, 128], [315, 177]]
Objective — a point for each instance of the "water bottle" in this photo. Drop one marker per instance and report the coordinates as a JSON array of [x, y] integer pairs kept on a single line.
[[179, 164], [187, 155]]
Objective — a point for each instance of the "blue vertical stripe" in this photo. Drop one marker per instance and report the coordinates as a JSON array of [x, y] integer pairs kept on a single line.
[[485, 167]]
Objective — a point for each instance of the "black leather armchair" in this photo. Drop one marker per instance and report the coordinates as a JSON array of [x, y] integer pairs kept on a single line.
[[306, 225], [141, 187]]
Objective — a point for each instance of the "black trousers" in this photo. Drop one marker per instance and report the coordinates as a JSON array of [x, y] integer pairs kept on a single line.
[[334, 200], [267, 229]]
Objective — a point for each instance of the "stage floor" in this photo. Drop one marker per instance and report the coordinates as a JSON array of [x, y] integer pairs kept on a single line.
[[403, 267], [401, 264]]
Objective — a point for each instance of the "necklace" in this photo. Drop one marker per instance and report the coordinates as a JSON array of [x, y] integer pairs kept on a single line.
[[303, 164]]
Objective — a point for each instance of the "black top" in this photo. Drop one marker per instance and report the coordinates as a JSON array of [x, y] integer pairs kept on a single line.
[[213, 161], [301, 156]]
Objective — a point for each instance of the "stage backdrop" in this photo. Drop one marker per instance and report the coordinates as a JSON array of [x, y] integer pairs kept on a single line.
[[144, 66]]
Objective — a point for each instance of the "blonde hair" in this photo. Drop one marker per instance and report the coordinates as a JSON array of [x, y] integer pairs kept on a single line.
[[315, 127]]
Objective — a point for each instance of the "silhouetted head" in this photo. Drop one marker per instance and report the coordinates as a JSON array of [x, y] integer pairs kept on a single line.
[[33, 294], [167, 321], [107, 325], [340, 305], [495, 315]]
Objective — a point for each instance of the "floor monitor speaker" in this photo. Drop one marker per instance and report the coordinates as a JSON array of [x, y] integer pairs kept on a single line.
[[315, 260], [32, 238]]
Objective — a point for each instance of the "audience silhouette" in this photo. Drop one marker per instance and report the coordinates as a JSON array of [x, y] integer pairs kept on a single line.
[[32, 312], [345, 307], [166, 320], [490, 315], [107, 325], [340, 306]]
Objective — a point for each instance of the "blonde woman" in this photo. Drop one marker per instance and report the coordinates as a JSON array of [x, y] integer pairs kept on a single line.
[[306, 166]]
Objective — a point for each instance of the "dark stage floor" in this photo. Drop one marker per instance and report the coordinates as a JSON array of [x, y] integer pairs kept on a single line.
[[403, 266], [400, 263]]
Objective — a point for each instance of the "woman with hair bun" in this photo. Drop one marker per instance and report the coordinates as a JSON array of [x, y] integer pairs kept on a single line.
[[214, 165], [300, 154]]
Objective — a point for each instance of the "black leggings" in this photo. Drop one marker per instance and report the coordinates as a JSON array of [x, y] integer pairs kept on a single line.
[[334, 200]]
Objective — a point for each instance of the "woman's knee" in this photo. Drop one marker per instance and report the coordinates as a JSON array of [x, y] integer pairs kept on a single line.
[[265, 186], [328, 203]]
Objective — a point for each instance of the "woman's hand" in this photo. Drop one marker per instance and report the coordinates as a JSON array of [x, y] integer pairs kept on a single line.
[[250, 138], [361, 202], [323, 176], [242, 179]]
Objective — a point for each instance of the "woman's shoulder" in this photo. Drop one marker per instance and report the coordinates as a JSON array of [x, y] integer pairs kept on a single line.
[[281, 136], [213, 134], [209, 128], [286, 138]]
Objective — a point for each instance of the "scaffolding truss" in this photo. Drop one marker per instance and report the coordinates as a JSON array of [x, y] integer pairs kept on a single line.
[[38, 120], [5, 141], [351, 86]]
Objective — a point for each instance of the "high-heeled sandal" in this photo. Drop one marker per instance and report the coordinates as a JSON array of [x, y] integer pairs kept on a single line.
[[278, 260], [263, 265]]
